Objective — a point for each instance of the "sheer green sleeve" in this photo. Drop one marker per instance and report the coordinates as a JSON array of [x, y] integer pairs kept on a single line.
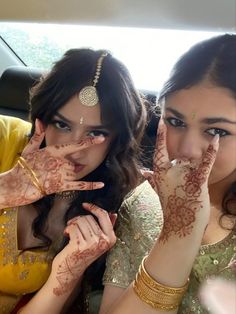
[[138, 226]]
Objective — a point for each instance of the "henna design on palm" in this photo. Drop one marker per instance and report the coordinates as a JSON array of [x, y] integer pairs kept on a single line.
[[54, 172]]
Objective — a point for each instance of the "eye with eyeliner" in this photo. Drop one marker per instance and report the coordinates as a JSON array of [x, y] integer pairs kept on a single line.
[[219, 131], [65, 127], [95, 133], [60, 125], [175, 122]]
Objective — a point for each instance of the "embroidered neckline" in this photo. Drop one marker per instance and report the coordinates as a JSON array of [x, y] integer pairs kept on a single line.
[[9, 247], [230, 238]]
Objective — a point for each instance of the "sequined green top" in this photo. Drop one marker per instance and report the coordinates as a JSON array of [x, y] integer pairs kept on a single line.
[[138, 226]]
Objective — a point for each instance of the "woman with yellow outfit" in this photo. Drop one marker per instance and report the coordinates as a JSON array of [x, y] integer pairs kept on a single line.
[[78, 145], [26, 270]]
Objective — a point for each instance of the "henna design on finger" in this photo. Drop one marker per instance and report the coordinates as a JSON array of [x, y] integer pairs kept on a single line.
[[97, 230]]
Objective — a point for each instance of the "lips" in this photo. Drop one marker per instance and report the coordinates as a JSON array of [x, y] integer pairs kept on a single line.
[[79, 167]]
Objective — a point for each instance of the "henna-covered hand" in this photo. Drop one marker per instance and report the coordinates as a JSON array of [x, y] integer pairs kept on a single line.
[[182, 187], [88, 241], [53, 171]]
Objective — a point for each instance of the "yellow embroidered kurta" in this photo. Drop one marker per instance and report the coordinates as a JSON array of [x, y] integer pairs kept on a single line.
[[138, 226], [21, 272]]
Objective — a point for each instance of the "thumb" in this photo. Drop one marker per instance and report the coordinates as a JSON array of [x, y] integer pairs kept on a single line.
[[36, 139]]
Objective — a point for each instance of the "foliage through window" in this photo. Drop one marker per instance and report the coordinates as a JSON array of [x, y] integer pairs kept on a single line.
[[148, 53]]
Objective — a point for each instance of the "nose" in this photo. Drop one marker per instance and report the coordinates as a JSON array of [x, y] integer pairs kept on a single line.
[[191, 147], [76, 136]]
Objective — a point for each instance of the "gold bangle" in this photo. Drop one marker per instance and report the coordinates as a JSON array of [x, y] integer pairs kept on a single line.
[[22, 162], [163, 295], [155, 285], [155, 294]]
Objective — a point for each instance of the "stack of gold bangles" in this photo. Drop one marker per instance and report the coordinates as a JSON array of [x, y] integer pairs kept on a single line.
[[23, 164], [158, 296]]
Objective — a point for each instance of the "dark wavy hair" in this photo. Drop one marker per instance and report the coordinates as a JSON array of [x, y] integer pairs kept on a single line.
[[212, 60], [121, 107]]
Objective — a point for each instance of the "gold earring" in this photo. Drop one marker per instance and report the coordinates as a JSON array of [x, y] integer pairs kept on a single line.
[[88, 95]]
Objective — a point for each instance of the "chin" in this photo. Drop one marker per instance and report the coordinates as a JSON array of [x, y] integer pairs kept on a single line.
[[213, 179], [80, 176]]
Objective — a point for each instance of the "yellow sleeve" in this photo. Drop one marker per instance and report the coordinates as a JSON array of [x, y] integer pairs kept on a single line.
[[138, 225], [13, 138]]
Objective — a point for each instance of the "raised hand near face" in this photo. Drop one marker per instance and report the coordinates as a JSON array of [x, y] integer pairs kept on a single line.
[[43, 171], [88, 241], [182, 186]]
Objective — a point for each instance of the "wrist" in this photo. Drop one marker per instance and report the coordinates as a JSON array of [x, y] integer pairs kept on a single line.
[[62, 284]]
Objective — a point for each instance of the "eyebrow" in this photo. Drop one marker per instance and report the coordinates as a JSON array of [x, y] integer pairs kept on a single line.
[[176, 113], [217, 120], [59, 115], [212, 120]]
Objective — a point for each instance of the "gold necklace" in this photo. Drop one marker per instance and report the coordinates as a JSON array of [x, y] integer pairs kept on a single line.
[[67, 195]]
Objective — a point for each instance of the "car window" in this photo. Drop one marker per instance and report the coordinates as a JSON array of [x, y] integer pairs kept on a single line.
[[148, 53]]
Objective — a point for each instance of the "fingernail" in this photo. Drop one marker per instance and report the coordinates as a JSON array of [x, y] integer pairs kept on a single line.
[[86, 205], [161, 121], [99, 139], [39, 125], [216, 139], [100, 184]]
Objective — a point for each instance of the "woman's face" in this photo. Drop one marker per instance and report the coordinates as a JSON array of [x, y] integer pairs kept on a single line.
[[74, 122], [193, 116]]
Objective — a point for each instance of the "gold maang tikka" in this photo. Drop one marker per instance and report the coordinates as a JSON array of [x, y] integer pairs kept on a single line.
[[88, 95]]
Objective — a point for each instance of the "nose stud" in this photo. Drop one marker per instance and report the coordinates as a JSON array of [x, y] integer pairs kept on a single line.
[[81, 120]]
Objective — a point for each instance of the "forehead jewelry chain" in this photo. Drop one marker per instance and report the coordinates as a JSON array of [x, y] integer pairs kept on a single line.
[[88, 95]]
